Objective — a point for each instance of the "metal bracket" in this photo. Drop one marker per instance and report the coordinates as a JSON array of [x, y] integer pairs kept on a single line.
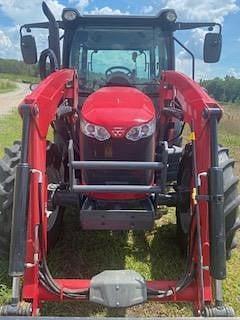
[[200, 175], [40, 178]]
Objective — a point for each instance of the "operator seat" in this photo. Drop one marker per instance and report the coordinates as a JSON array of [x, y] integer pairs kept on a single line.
[[119, 79]]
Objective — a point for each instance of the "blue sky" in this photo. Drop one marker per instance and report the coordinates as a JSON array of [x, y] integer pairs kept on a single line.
[[13, 13]]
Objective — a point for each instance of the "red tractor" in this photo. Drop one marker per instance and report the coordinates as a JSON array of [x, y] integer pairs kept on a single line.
[[118, 110]]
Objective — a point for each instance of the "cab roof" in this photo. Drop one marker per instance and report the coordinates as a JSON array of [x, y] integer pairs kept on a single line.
[[119, 20]]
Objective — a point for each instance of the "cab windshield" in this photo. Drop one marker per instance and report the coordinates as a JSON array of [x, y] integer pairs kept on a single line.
[[124, 56]]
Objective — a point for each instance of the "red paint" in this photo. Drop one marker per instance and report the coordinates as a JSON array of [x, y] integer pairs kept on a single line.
[[118, 109], [46, 99]]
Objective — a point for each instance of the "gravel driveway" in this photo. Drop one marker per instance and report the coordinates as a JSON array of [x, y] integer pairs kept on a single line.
[[10, 100]]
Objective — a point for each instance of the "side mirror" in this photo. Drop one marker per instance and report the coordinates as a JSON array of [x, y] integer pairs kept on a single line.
[[212, 47], [29, 49]]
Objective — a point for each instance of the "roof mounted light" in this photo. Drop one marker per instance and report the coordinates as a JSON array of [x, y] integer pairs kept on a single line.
[[171, 16], [70, 14]]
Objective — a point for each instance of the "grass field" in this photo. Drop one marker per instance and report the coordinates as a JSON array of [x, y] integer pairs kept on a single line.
[[18, 78], [6, 85], [153, 254]]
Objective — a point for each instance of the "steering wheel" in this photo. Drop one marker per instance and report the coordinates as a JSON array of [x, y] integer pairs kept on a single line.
[[110, 71]]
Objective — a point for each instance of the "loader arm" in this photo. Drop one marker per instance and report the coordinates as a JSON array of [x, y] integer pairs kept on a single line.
[[201, 113], [42, 104]]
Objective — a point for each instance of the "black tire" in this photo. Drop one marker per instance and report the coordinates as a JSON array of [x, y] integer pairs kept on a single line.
[[7, 177], [231, 199], [178, 127], [7, 173], [183, 208]]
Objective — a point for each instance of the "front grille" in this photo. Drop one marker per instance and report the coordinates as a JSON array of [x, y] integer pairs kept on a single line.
[[117, 150]]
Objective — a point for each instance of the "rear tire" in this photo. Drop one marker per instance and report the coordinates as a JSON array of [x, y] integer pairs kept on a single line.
[[8, 166], [231, 199]]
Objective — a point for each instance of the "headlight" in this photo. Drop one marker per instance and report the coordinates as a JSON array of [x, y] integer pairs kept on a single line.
[[93, 131], [143, 131]]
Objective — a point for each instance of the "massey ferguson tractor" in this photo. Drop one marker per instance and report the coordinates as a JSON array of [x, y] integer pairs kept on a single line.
[[119, 114]]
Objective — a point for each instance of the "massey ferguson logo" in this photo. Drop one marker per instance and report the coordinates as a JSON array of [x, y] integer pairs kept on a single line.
[[118, 132]]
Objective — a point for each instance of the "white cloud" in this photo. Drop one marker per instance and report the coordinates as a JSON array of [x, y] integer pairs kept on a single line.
[[9, 43], [108, 11], [5, 42], [233, 72], [29, 11], [80, 4], [202, 70], [26, 11], [195, 10], [22, 12], [147, 9]]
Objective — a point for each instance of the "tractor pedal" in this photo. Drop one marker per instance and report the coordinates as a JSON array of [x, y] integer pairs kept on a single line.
[[21, 309], [218, 311], [118, 288]]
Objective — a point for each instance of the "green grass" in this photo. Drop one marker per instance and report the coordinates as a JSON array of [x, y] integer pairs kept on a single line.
[[10, 130], [154, 254], [6, 86], [19, 78]]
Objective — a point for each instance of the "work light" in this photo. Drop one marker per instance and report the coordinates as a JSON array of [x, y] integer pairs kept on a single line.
[[70, 14], [171, 16]]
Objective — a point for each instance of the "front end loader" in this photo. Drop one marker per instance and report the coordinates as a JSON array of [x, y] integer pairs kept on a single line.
[[119, 113]]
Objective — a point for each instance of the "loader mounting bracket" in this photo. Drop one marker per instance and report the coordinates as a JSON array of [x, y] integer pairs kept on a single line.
[[22, 309], [218, 311]]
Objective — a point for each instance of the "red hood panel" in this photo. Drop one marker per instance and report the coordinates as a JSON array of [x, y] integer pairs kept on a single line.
[[113, 107]]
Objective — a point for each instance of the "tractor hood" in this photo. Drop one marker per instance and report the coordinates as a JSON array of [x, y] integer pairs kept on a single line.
[[118, 107]]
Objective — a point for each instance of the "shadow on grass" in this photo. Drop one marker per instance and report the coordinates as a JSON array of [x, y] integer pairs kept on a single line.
[[83, 254], [5, 282]]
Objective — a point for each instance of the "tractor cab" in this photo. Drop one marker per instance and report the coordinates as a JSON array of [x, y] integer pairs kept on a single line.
[[120, 56], [120, 51]]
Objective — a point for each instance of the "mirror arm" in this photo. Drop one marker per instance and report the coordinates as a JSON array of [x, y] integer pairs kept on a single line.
[[190, 53], [145, 58], [40, 25], [145, 69], [195, 25], [91, 59]]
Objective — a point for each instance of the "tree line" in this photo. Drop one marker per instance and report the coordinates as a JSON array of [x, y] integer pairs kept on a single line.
[[222, 89], [18, 67], [226, 89]]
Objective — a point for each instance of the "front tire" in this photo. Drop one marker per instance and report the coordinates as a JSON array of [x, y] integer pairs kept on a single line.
[[231, 199], [8, 166]]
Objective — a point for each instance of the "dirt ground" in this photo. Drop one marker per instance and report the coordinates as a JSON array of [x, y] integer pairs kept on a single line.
[[10, 100]]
